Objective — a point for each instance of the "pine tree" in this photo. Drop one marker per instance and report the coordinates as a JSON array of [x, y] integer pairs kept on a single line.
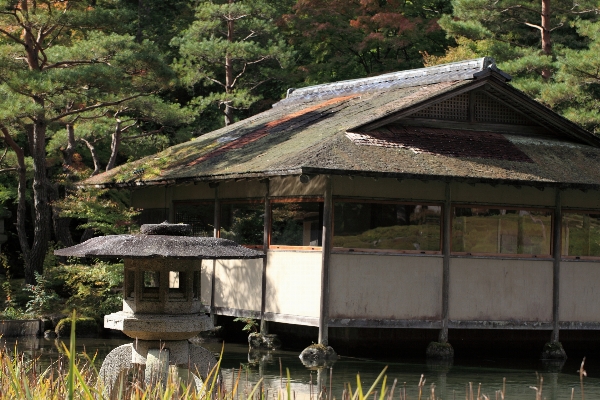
[[233, 48], [61, 59], [525, 36]]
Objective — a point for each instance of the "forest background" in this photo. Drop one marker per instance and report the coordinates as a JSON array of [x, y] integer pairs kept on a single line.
[[87, 85]]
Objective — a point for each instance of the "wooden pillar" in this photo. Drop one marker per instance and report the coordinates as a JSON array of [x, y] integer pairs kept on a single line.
[[264, 326], [169, 204], [446, 240], [325, 261], [216, 233], [557, 249]]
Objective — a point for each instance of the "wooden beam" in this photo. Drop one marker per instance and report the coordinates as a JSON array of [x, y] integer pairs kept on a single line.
[[325, 262], [216, 233], [477, 126], [264, 326], [557, 249], [443, 338]]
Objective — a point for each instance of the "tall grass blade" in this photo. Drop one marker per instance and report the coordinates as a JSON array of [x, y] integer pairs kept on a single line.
[[71, 375]]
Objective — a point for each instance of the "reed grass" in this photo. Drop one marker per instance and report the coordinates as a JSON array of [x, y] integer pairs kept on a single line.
[[75, 377]]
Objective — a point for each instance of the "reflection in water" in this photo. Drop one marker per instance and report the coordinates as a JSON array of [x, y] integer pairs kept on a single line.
[[450, 380]]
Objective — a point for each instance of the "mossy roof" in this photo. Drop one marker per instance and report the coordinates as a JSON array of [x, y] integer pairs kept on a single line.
[[311, 133]]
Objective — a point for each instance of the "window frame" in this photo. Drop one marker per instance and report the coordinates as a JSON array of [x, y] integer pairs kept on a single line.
[[177, 203], [241, 201], [305, 199], [575, 211], [549, 256], [344, 250]]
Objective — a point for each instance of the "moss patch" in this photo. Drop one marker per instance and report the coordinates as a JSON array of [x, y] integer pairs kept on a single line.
[[84, 327]]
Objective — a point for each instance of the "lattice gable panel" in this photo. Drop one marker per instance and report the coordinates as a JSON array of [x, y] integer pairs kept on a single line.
[[486, 110]]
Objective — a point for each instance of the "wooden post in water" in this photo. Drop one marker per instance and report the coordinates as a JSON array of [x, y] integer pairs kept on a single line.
[[264, 326], [446, 240], [326, 257]]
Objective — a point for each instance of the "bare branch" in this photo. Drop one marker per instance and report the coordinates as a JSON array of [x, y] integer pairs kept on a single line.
[[14, 38], [150, 133], [534, 26], [71, 63], [215, 81], [244, 69], [96, 106]]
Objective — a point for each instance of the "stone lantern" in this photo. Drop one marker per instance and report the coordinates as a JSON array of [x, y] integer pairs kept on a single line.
[[161, 298]]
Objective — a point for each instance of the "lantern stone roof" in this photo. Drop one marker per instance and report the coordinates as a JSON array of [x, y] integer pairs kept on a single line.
[[459, 121], [159, 240]]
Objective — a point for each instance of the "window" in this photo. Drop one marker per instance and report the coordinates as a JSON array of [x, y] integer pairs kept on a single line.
[[177, 284], [130, 285], [296, 223], [477, 230], [387, 226], [200, 216], [580, 234], [150, 285], [243, 223]]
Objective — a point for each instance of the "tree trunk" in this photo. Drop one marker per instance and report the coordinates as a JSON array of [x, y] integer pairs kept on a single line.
[[95, 157], [114, 146], [21, 192], [41, 228], [61, 225], [229, 73], [87, 234], [546, 42]]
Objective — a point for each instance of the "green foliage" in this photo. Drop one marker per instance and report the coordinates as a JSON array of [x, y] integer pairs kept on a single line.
[[42, 299], [106, 211], [251, 324], [575, 91], [92, 290], [12, 309]]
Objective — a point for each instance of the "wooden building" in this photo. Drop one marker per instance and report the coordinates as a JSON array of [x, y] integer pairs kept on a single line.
[[440, 199]]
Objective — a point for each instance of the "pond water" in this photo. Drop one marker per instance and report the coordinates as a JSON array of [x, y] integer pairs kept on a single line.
[[450, 381]]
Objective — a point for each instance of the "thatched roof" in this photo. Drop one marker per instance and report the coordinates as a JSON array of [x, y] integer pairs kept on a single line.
[[374, 127]]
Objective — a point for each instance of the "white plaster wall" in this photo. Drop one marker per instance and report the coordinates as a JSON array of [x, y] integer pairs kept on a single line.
[[385, 287], [502, 194], [191, 191], [388, 188], [293, 282], [149, 197], [242, 189], [579, 291], [291, 186], [580, 199], [206, 281], [238, 284], [495, 290]]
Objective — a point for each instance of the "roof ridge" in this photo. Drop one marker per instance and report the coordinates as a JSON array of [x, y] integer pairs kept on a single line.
[[461, 70]]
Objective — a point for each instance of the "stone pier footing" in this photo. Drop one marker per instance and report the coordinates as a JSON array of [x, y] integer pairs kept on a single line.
[[553, 351], [440, 351], [318, 356], [264, 341]]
